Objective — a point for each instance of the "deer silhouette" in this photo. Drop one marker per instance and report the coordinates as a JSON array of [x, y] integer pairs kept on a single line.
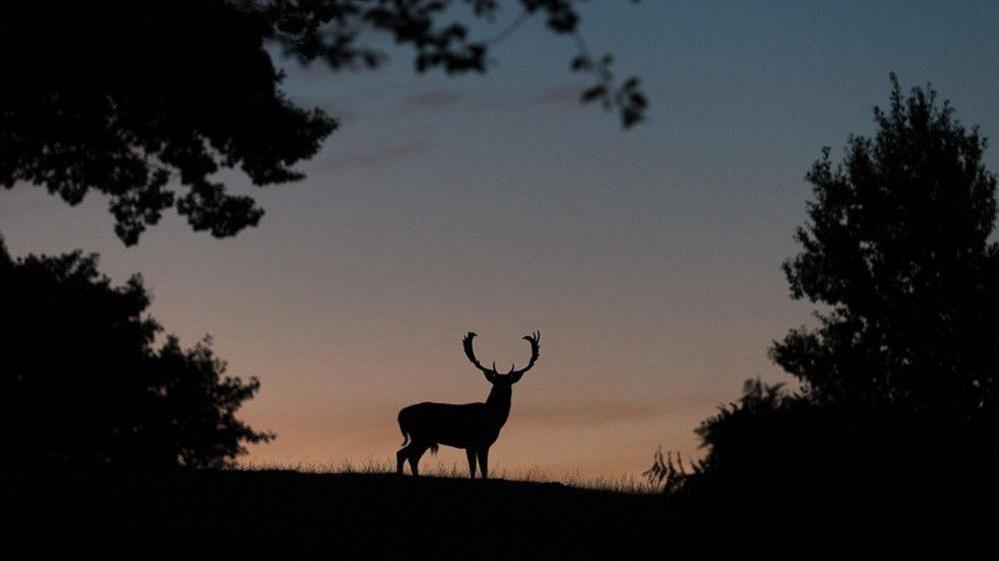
[[472, 426]]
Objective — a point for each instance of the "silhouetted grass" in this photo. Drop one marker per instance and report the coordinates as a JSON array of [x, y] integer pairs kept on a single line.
[[438, 468], [352, 511], [345, 514]]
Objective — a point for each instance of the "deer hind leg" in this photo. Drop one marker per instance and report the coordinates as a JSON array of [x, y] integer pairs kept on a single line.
[[400, 458], [471, 461], [483, 455], [416, 452]]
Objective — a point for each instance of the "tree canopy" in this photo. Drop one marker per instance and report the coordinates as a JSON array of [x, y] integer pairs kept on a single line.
[[124, 97], [82, 386], [891, 436], [898, 248]]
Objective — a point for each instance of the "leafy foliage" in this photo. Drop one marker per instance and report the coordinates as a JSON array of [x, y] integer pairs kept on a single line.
[[891, 436], [774, 445], [124, 97], [82, 386], [106, 96], [898, 248]]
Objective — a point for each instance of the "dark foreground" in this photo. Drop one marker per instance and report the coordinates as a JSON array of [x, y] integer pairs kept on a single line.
[[296, 514], [289, 515]]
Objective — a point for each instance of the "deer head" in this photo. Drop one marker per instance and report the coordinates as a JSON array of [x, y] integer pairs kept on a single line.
[[514, 375]]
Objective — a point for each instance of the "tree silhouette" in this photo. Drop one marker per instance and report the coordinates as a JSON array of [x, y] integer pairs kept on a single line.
[[898, 249], [122, 97], [891, 436], [82, 386]]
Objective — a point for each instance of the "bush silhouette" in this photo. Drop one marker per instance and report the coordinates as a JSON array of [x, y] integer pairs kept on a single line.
[[81, 385], [891, 435]]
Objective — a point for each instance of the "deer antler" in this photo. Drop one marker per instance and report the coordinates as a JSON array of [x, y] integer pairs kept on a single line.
[[535, 340], [467, 343]]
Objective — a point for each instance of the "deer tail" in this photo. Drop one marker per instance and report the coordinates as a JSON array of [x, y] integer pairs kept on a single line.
[[405, 433], [433, 448]]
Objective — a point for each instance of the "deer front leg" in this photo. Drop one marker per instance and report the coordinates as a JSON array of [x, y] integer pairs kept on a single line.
[[415, 453], [483, 455], [471, 461]]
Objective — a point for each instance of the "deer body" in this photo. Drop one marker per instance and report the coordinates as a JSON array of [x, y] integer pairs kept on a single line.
[[471, 426]]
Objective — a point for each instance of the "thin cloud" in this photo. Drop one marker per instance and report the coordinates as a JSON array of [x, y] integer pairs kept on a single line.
[[585, 414], [561, 94], [556, 95], [436, 99], [377, 157], [342, 114]]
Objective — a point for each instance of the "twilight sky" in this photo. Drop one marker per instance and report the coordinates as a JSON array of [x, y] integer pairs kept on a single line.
[[648, 259]]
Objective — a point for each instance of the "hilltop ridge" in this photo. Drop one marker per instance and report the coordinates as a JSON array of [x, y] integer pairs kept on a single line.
[[374, 516]]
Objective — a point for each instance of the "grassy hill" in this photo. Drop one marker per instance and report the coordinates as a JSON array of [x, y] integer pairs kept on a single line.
[[283, 514], [370, 516]]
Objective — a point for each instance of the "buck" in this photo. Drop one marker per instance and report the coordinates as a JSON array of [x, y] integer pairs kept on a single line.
[[472, 426]]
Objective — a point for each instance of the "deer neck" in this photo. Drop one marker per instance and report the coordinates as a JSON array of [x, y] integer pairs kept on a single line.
[[498, 405]]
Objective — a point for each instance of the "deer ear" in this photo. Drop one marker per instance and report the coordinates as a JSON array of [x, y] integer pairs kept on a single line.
[[515, 377], [490, 377]]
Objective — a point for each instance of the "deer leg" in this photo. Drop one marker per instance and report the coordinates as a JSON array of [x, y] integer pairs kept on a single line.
[[484, 462], [400, 458], [471, 461], [415, 453]]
